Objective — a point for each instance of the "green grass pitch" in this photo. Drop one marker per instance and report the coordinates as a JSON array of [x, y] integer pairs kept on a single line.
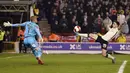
[[61, 63]]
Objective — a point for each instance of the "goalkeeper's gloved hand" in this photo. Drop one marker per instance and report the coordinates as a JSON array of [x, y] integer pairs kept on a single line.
[[7, 24]]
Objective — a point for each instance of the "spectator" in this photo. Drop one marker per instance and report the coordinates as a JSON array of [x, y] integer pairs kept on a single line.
[[54, 10], [112, 10], [85, 23], [81, 6], [62, 6], [125, 28], [40, 8], [82, 1], [121, 39], [85, 19], [127, 10], [70, 18], [77, 4], [45, 39], [76, 24], [2, 33], [121, 11], [107, 22], [78, 13], [91, 19], [54, 37], [74, 19], [53, 21], [98, 23], [57, 4], [21, 39], [127, 16], [68, 12], [34, 1], [63, 24], [7, 36], [121, 17], [76, 7], [81, 17], [64, 9], [128, 20], [57, 27], [48, 5], [113, 16]]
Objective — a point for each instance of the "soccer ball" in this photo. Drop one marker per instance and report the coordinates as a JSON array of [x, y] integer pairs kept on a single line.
[[77, 29]]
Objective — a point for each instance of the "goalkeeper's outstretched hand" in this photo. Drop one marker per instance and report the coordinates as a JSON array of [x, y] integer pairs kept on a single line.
[[7, 24]]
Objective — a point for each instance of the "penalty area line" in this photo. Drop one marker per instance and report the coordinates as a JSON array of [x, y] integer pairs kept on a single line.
[[122, 67]]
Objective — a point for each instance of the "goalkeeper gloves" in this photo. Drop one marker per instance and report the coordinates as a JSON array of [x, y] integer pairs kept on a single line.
[[7, 24]]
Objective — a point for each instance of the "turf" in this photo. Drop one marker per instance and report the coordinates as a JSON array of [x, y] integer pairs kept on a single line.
[[65, 63]]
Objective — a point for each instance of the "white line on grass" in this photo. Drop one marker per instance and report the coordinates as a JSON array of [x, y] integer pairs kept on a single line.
[[14, 57], [122, 67]]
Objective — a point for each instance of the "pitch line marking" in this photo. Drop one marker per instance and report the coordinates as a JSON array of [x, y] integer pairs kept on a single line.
[[122, 67], [14, 57]]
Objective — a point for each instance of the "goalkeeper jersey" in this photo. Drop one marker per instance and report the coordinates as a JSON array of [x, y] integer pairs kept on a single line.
[[31, 29]]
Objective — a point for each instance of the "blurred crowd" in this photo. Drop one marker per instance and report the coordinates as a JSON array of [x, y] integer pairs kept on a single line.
[[90, 15], [93, 16]]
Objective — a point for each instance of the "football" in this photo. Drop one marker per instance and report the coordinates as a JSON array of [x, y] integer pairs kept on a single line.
[[77, 29]]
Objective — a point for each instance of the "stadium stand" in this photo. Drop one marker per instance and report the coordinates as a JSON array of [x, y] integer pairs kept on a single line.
[[90, 15]]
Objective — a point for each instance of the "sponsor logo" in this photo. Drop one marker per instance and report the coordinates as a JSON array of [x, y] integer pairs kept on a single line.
[[94, 47], [75, 46], [124, 47], [98, 47], [52, 46]]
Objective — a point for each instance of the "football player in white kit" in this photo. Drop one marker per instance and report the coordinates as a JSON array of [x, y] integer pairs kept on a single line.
[[103, 40]]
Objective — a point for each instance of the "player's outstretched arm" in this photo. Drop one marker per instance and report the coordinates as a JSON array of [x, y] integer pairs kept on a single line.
[[109, 26], [7, 24]]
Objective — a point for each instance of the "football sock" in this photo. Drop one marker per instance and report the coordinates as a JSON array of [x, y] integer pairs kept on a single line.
[[109, 56], [82, 34]]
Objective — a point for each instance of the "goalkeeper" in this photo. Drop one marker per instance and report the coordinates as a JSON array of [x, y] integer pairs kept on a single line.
[[31, 30]]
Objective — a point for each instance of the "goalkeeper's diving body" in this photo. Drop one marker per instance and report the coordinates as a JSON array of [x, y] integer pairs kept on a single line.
[[31, 30], [103, 40]]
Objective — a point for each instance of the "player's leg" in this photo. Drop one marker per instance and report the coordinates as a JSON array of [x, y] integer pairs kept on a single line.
[[38, 54], [20, 46], [37, 51], [82, 34], [105, 54], [25, 48], [94, 36]]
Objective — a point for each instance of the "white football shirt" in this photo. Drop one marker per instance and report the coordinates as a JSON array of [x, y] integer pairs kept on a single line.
[[110, 34]]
